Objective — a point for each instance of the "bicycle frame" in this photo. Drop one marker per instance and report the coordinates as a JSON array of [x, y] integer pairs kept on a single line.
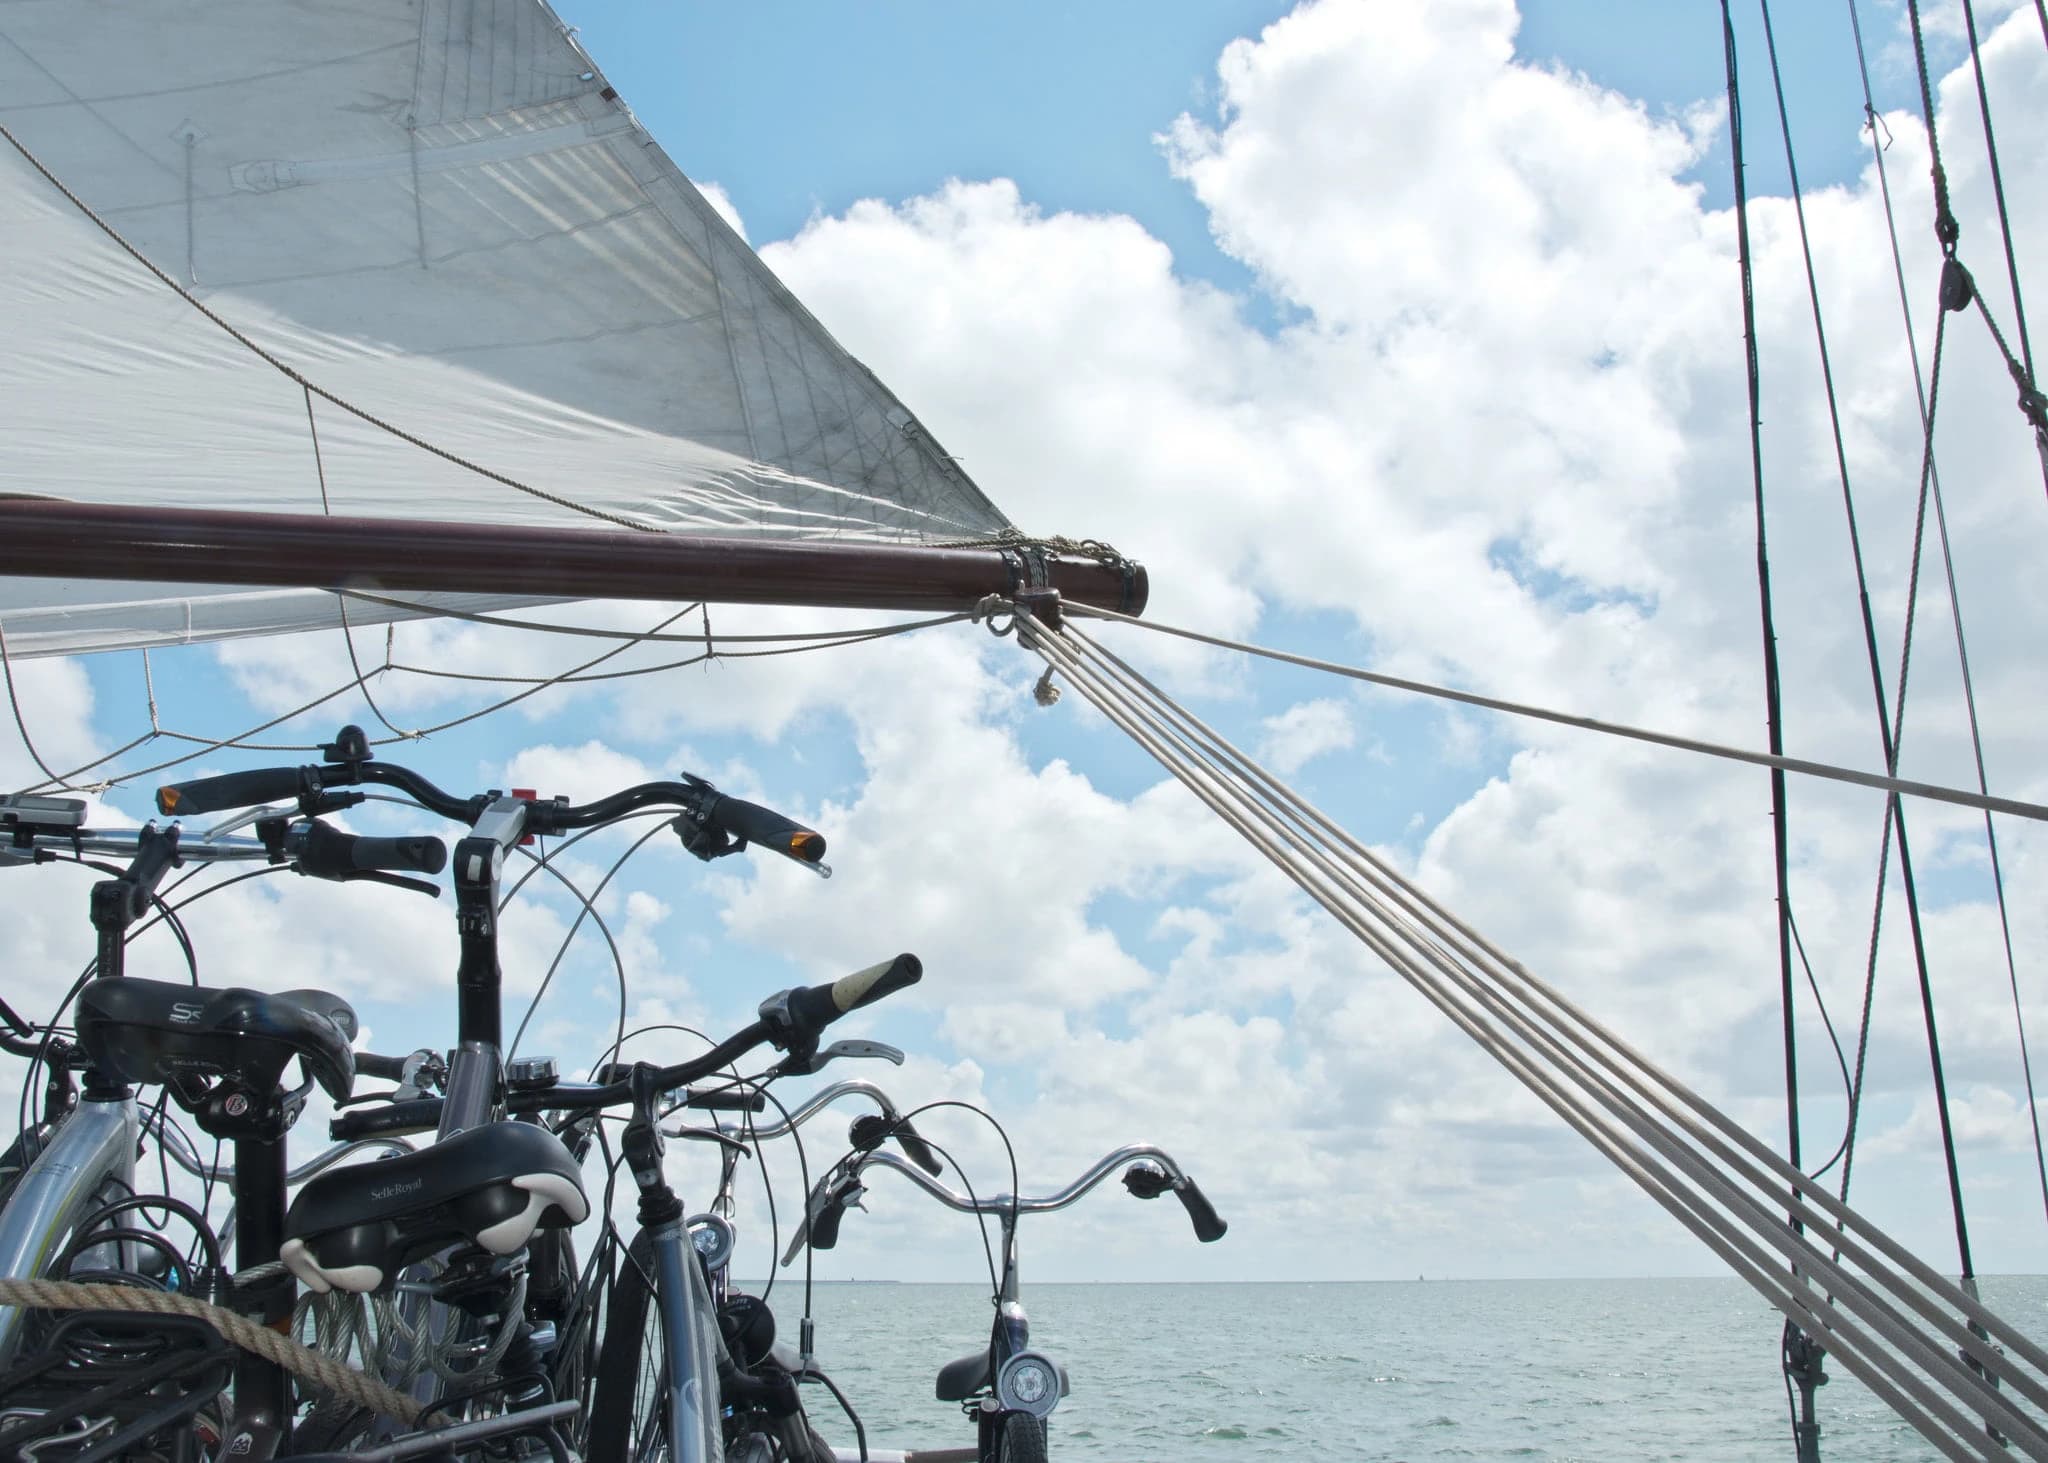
[[689, 1330], [91, 1153]]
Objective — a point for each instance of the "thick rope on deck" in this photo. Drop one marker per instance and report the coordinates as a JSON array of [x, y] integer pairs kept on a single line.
[[324, 1372]]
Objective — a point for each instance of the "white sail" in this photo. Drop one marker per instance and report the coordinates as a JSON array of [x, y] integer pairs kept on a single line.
[[440, 213]]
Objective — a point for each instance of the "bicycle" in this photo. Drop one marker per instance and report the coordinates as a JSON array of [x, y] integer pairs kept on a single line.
[[670, 1298], [1007, 1387], [222, 1054], [487, 1190]]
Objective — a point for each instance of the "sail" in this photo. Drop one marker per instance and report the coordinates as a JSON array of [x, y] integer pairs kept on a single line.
[[418, 260]]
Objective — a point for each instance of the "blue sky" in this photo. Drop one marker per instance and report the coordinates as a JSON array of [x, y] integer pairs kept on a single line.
[[803, 108], [1541, 492]]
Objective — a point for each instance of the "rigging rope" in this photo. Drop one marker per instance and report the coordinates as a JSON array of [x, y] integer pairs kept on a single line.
[[1957, 283], [1774, 720], [2029, 396], [348, 636], [1906, 785], [575, 675], [1909, 1333], [1954, 593], [1890, 727]]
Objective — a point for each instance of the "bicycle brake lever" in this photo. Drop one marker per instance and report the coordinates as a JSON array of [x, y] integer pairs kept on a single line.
[[252, 815], [823, 1210], [396, 881], [859, 1047], [710, 1135]]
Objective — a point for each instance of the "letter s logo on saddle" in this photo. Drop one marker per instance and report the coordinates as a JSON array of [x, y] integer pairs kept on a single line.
[[186, 1012]]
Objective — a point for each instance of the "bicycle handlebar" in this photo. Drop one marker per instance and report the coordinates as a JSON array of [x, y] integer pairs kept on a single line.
[[713, 823], [328, 853], [896, 1125], [1209, 1226], [370, 1064], [814, 1008], [423, 1114], [230, 790], [790, 1019], [24, 846]]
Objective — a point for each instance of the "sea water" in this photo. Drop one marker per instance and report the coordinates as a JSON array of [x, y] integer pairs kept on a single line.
[[1559, 1370]]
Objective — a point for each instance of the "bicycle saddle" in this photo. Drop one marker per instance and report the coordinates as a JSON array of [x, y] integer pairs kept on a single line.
[[159, 1031], [959, 1380], [355, 1228]]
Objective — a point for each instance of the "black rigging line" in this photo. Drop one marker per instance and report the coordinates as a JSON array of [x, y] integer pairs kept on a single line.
[[1763, 577], [1892, 807], [1827, 1021], [2030, 398], [1848, 509], [1958, 288], [1895, 815], [1954, 594]]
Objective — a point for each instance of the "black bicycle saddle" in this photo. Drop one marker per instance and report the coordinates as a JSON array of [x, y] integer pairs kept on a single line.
[[159, 1031], [959, 1380], [355, 1228]]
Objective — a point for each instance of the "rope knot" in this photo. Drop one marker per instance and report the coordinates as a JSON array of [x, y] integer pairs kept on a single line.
[[991, 605]]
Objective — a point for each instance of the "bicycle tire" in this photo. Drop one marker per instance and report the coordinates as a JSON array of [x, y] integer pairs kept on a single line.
[[628, 1400], [1022, 1439]]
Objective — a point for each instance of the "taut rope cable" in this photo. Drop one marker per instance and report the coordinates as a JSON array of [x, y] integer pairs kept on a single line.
[[1954, 593], [2029, 393], [1412, 954], [1936, 791], [1774, 716], [1445, 926], [1409, 952], [348, 637]]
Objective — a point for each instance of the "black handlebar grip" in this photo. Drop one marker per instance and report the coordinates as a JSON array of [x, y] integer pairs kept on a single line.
[[916, 1149], [724, 1099], [818, 1006], [420, 1115], [766, 828], [369, 1064], [328, 853], [231, 790], [1209, 1226]]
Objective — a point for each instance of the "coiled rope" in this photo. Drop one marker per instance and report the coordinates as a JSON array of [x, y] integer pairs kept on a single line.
[[324, 1372]]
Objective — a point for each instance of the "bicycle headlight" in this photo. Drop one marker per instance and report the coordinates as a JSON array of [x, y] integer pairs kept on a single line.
[[712, 1236], [1029, 1382]]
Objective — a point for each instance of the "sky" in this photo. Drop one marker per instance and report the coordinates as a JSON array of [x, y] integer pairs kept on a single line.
[[1399, 335]]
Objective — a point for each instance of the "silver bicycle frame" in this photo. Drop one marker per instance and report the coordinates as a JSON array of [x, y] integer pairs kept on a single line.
[[92, 1148], [689, 1334]]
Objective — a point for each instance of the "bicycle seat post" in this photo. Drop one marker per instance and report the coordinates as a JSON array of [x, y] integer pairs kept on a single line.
[[257, 1126]]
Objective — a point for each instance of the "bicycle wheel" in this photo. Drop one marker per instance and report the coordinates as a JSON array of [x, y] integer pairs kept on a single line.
[[629, 1402], [1022, 1439]]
